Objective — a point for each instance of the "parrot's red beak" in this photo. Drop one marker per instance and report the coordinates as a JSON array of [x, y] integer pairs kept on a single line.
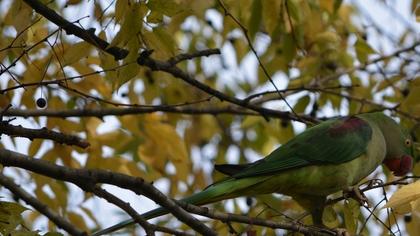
[[399, 166]]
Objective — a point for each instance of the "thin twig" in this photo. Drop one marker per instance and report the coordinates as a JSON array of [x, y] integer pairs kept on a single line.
[[245, 32]]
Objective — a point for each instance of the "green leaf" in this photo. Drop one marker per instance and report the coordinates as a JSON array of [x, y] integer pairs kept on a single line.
[[351, 212], [330, 218], [255, 19], [363, 50], [271, 9], [167, 7], [131, 69], [76, 52], [289, 48], [302, 104]]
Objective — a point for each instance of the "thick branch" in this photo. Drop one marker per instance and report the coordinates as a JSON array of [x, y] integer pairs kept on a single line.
[[39, 206], [43, 133], [86, 179]]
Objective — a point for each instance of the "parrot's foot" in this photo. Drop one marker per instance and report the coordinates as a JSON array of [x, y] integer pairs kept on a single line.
[[356, 194]]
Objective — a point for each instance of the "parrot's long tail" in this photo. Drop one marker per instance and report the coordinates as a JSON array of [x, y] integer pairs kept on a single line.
[[215, 192]]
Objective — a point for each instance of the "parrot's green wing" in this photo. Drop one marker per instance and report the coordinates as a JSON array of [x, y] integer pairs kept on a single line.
[[331, 142]]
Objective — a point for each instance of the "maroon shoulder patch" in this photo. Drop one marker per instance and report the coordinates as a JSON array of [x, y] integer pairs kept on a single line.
[[348, 125]]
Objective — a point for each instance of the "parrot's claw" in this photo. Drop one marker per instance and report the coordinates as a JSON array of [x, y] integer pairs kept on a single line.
[[356, 194]]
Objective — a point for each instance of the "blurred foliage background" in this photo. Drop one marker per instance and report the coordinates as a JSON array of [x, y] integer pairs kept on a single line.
[[326, 58]]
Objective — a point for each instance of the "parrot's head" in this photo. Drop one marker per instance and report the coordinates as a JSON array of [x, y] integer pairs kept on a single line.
[[399, 148]]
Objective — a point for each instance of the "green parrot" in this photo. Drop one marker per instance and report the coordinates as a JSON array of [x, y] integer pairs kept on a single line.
[[331, 156]]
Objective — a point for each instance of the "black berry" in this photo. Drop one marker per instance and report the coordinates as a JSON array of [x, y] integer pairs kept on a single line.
[[41, 102]]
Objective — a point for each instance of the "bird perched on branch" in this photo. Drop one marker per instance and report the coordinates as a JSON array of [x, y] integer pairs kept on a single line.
[[331, 156]]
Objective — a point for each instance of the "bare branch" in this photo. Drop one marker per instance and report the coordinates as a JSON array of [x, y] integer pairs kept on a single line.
[[42, 133], [187, 56], [101, 112]]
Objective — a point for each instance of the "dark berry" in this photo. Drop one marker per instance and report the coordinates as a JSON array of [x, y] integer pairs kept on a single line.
[[249, 201], [41, 102], [405, 92]]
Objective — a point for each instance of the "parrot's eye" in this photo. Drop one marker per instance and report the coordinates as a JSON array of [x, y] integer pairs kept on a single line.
[[408, 142]]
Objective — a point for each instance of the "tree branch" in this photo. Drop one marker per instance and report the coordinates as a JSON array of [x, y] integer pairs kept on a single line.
[[39, 206], [43, 133], [101, 112], [70, 28], [87, 179], [187, 56]]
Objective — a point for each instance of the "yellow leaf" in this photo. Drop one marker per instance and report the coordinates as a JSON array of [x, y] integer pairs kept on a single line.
[[401, 201], [167, 7], [60, 191], [130, 27], [250, 121], [121, 7], [163, 144], [34, 147], [166, 40], [327, 5], [76, 52], [108, 63], [77, 220], [131, 69], [91, 126]]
